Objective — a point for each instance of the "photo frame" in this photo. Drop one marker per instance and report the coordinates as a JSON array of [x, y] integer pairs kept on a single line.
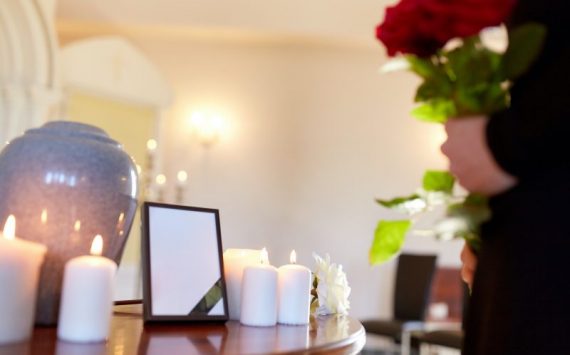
[[183, 278]]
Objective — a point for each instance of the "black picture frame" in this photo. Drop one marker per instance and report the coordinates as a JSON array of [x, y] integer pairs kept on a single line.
[[183, 245]]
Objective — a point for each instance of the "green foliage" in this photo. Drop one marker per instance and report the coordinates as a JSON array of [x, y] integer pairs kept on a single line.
[[314, 294], [436, 180], [397, 201], [390, 235], [525, 43], [435, 111], [466, 80], [475, 211], [424, 67], [388, 240], [471, 79]]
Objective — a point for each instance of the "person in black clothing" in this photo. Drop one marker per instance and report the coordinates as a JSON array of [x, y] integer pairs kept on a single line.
[[520, 158]]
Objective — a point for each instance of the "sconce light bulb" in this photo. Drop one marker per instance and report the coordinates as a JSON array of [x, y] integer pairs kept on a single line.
[[217, 123], [160, 179], [197, 119], [182, 176], [151, 145]]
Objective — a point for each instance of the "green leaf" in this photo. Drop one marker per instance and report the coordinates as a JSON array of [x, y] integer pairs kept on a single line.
[[388, 240], [475, 211], [423, 67], [435, 180], [496, 98], [436, 110], [476, 200], [525, 44], [395, 202], [433, 89], [474, 207], [472, 64]]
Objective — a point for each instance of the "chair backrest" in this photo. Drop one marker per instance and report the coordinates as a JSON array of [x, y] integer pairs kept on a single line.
[[465, 304], [413, 284]]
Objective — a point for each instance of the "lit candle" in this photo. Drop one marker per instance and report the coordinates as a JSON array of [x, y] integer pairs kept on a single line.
[[87, 296], [294, 293], [235, 260], [259, 294], [20, 264]]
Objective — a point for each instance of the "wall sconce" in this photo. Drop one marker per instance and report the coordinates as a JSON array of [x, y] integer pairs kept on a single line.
[[209, 127], [160, 185], [182, 178], [151, 147]]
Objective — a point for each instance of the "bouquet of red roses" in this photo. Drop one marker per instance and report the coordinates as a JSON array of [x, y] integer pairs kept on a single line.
[[440, 41]]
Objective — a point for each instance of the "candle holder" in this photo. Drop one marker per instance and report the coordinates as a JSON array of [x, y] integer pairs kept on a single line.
[[66, 182]]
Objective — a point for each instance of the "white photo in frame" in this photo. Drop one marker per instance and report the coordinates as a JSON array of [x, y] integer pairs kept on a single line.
[[182, 264]]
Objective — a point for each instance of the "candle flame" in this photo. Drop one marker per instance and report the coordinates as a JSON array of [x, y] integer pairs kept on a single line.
[[44, 216], [264, 256], [293, 257], [97, 245], [77, 226], [10, 227]]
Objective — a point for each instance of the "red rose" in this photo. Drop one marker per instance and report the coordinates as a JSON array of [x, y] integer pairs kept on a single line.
[[421, 27]]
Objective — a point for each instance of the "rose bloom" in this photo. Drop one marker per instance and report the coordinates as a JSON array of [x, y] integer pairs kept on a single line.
[[333, 289], [421, 27]]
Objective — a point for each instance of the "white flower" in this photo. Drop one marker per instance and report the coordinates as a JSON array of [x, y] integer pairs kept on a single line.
[[450, 227], [396, 64], [433, 198], [412, 207], [332, 288], [495, 39]]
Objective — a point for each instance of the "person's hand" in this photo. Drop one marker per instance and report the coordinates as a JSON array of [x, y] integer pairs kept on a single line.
[[469, 260], [470, 159]]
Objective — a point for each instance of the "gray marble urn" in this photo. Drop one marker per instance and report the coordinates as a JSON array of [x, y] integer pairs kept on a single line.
[[66, 182]]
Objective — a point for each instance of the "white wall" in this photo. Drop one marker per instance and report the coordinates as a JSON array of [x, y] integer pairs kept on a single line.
[[316, 134], [352, 20]]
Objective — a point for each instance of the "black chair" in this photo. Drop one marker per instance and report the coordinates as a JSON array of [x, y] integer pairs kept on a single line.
[[411, 296], [448, 338], [452, 338]]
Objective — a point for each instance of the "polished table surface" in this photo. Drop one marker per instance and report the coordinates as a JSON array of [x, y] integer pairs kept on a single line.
[[324, 335]]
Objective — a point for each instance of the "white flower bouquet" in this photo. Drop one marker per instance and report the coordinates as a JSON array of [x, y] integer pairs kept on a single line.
[[330, 288]]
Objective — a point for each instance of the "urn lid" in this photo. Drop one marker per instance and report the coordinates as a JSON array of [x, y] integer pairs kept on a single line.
[[73, 129]]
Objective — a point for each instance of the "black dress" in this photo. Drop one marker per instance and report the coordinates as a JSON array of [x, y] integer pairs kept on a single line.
[[521, 293]]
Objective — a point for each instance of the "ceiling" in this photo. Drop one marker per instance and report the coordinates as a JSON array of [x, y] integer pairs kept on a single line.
[[334, 19]]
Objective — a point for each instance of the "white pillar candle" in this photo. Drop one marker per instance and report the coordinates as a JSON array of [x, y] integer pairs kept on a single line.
[[259, 294], [87, 297], [294, 293], [20, 265], [235, 260]]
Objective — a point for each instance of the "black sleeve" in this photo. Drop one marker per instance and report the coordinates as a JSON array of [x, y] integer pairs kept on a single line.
[[533, 135]]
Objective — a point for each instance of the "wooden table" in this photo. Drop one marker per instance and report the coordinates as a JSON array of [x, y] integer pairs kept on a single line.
[[326, 335]]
